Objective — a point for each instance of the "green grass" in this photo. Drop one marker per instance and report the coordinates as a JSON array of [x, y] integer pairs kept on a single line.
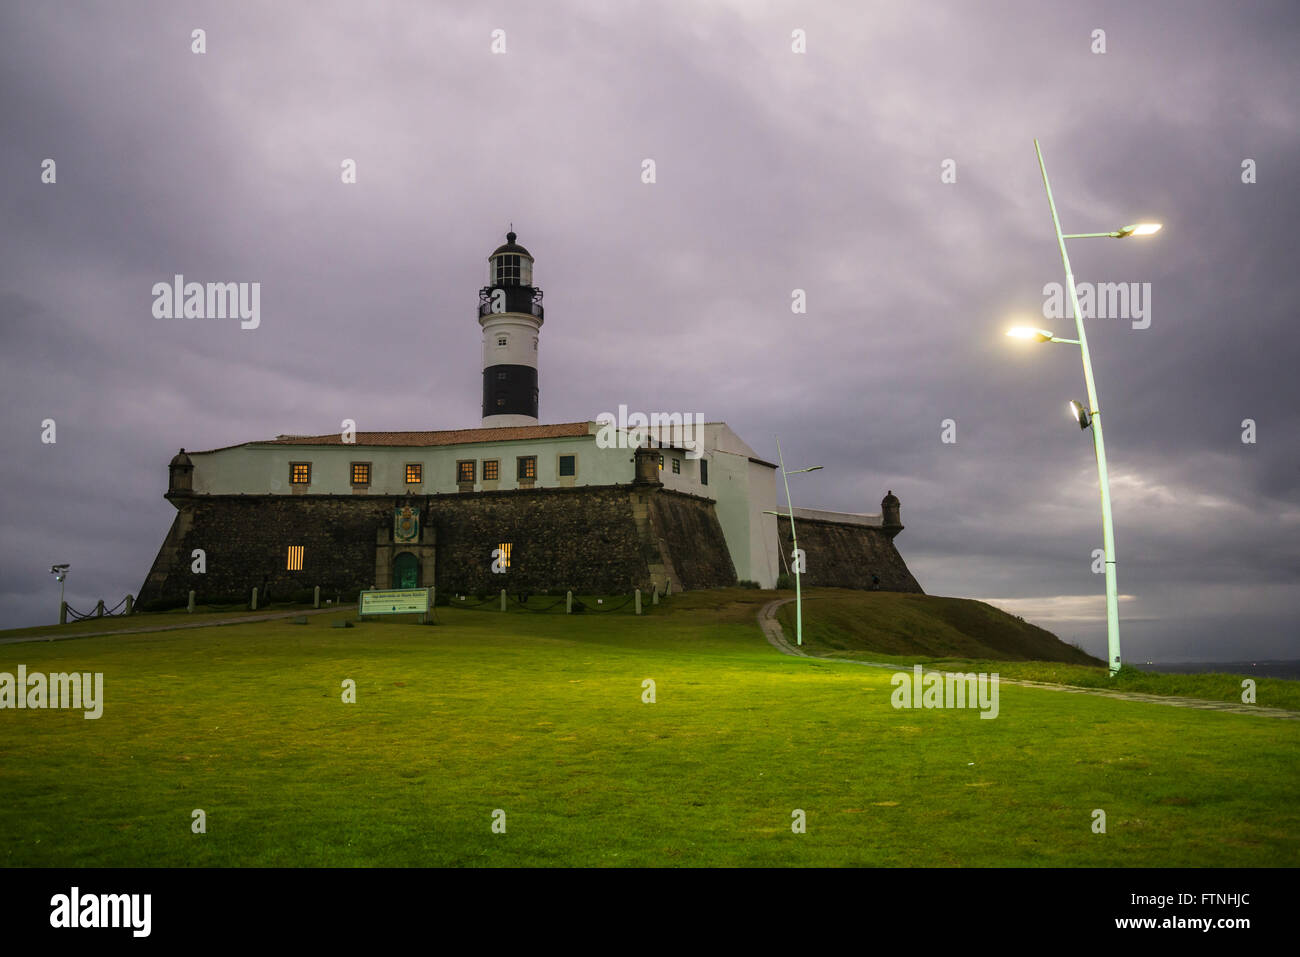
[[963, 635], [153, 619], [179, 617], [541, 716]]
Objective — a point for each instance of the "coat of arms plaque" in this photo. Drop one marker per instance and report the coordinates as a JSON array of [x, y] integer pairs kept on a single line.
[[406, 523]]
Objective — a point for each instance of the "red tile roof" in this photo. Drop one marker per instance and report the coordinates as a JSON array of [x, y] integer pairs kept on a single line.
[[450, 437], [419, 439]]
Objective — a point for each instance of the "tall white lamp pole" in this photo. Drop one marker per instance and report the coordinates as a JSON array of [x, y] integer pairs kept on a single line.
[[1091, 415]]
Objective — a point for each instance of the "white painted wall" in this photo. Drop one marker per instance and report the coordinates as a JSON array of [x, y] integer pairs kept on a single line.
[[763, 543], [742, 490], [261, 469], [843, 518], [520, 331]]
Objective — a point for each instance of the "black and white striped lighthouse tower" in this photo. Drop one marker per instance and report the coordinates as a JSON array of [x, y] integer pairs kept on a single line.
[[510, 312]]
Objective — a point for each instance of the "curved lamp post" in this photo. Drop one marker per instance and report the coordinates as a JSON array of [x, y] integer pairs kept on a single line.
[[1089, 416], [798, 592]]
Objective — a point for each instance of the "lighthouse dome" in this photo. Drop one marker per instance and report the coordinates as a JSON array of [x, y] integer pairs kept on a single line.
[[511, 246]]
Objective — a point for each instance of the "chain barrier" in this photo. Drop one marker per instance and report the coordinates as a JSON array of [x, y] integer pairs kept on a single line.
[[579, 605], [74, 615], [457, 603], [537, 611]]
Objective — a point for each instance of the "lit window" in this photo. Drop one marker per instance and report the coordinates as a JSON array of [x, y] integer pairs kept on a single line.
[[677, 466], [295, 558], [360, 473], [568, 465], [527, 467], [491, 470], [300, 473], [704, 472], [503, 554], [414, 474], [501, 340], [465, 472]]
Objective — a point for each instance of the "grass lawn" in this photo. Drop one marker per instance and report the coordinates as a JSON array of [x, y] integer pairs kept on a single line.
[[175, 618], [878, 626], [542, 716]]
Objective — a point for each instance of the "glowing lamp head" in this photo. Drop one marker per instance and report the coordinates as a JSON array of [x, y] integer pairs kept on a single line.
[[1140, 229], [1027, 332]]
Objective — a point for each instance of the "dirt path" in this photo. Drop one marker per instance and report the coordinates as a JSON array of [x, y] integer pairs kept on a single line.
[[776, 638], [243, 619]]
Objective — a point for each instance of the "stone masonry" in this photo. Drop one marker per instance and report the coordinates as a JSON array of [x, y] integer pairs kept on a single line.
[[590, 539], [846, 556]]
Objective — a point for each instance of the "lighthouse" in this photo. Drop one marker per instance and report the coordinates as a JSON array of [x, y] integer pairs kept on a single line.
[[510, 313]]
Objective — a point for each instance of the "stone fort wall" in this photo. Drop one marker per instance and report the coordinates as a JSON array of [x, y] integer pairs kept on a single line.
[[591, 539], [846, 556]]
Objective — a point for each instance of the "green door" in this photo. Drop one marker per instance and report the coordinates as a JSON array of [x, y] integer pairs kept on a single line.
[[406, 571]]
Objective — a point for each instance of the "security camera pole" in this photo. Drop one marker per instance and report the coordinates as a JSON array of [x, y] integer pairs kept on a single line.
[[1091, 415], [60, 572]]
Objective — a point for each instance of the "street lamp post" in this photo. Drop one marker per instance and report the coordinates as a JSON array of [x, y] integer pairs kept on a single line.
[[794, 540], [1091, 416]]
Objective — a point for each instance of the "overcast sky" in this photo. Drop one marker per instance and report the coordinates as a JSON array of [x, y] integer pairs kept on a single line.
[[775, 171]]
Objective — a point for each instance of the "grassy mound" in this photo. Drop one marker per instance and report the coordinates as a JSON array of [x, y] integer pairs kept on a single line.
[[894, 623]]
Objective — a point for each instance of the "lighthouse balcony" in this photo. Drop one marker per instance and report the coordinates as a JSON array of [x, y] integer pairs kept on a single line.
[[525, 299]]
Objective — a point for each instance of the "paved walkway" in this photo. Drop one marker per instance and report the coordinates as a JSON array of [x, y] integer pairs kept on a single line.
[[776, 638], [243, 619]]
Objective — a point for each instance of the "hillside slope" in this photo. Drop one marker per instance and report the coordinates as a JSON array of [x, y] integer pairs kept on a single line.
[[893, 623]]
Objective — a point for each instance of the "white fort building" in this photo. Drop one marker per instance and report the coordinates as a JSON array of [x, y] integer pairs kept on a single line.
[[254, 498]]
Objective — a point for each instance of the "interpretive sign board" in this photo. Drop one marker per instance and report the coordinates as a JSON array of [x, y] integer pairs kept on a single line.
[[395, 601]]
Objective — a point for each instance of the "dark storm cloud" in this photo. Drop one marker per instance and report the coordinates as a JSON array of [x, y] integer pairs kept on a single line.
[[776, 171]]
